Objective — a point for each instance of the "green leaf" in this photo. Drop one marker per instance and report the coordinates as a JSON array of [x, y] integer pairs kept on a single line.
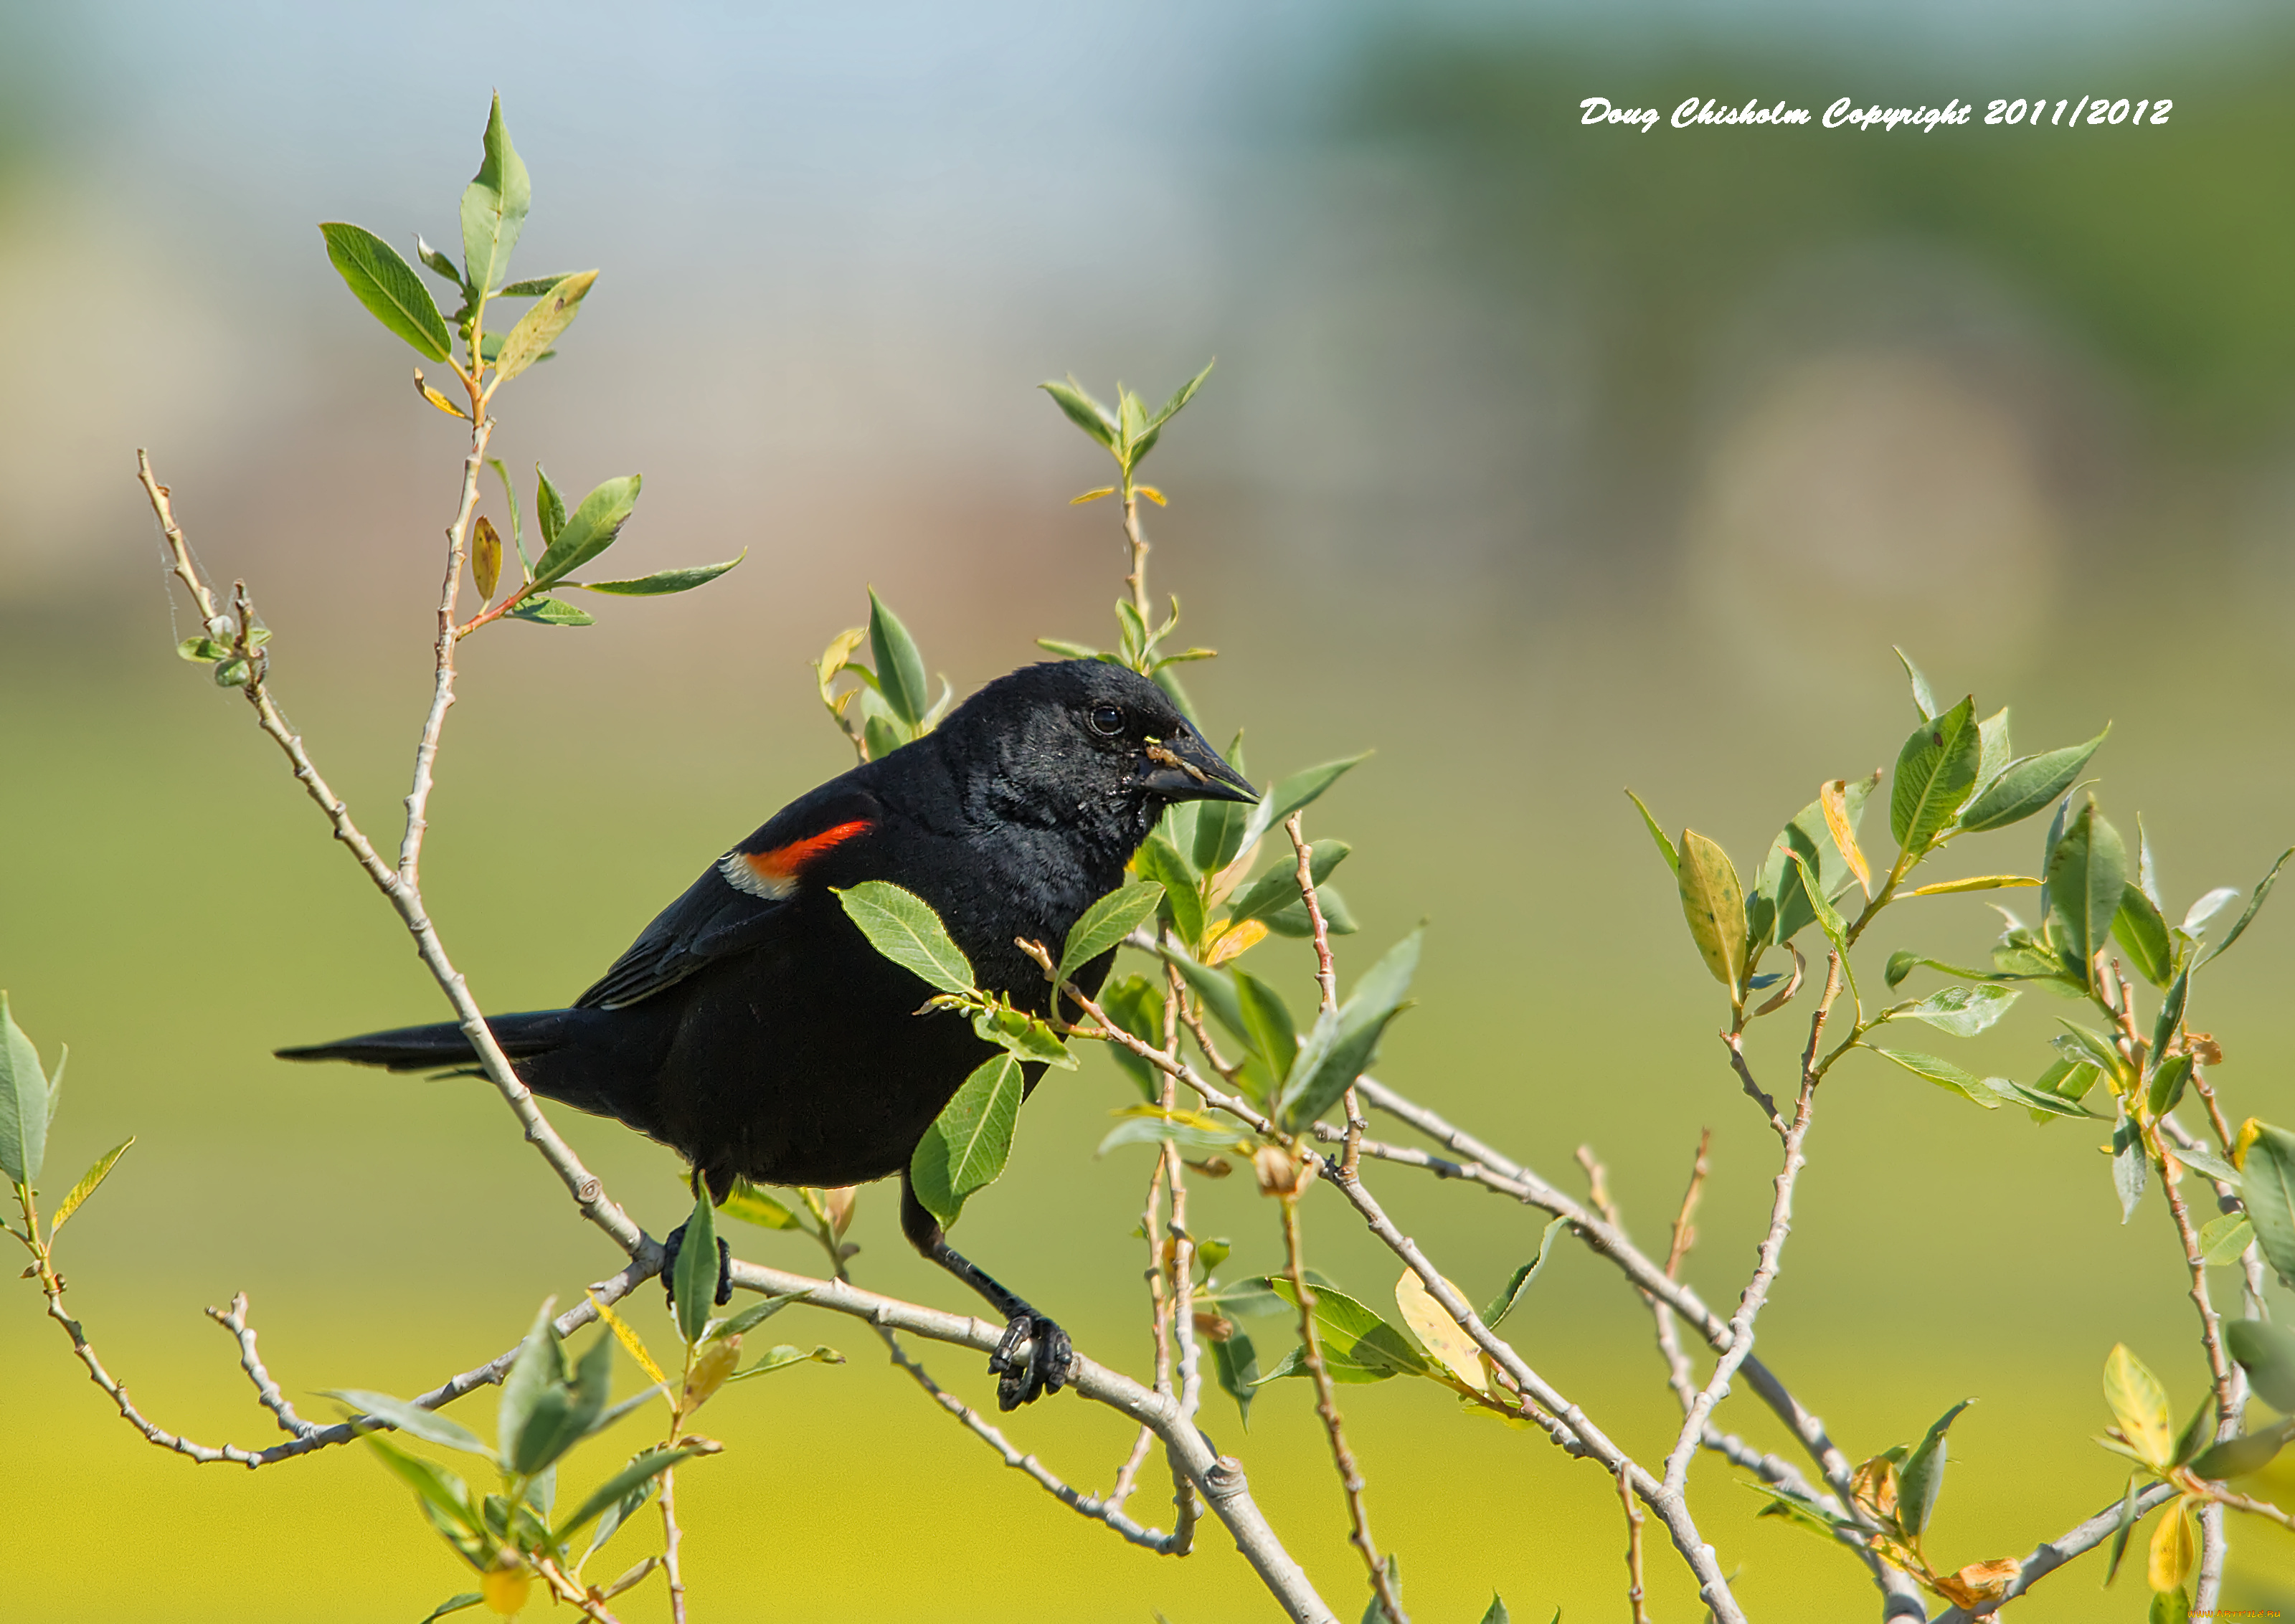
[[2267, 1353], [539, 1366], [591, 529], [2126, 1526], [2167, 1085], [414, 1423], [1901, 964], [967, 1145], [549, 508], [2139, 1404], [494, 205], [1267, 1019], [749, 1318], [564, 1413], [1935, 772], [2170, 1606], [516, 523], [1135, 1004], [2268, 1189], [1352, 1334], [1220, 824], [552, 612], [1780, 882], [2028, 786], [1922, 1476], [662, 582], [1151, 1124], [2238, 1457], [531, 287], [2209, 1165], [1519, 1284], [900, 668], [782, 1358], [1795, 1511], [1021, 1035], [2087, 875], [902, 926], [453, 1603], [89, 1180], [1180, 396], [646, 1467], [696, 1282], [2222, 1238], [1289, 794], [1085, 413], [540, 327], [1996, 755], [439, 264], [1714, 903], [1341, 1047], [752, 1205], [1962, 1011], [203, 650], [386, 285], [2138, 927], [1236, 1363], [1160, 863], [1292, 919], [434, 1484], [1278, 889], [1074, 651], [1945, 1074], [1496, 1613], [26, 1102], [621, 1511], [1665, 846], [1923, 700], [1216, 988], [2130, 1166], [1107, 922], [2262, 890]]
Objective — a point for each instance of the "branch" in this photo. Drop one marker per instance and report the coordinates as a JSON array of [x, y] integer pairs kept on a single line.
[[588, 1191], [1767, 1259], [1567, 1423], [2051, 1554], [1219, 1479]]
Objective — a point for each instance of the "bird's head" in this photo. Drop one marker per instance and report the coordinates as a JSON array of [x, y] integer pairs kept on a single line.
[[1085, 740]]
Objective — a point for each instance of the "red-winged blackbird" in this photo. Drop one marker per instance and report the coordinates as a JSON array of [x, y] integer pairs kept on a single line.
[[753, 1028]]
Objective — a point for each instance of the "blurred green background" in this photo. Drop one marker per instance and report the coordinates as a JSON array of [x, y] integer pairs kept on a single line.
[[1543, 458]]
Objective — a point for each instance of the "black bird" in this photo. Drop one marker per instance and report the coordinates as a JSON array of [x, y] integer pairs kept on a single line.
[[752, 1028]]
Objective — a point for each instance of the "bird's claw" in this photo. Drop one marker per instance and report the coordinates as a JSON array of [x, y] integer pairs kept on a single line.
[[1049, 1366], [674, 1242]]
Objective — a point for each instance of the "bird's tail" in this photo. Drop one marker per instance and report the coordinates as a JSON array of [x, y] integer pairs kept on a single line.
[[445, 1045]]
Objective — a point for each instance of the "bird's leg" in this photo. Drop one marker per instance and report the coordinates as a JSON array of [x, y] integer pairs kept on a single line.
[[674, 1242], [1050, 1358]]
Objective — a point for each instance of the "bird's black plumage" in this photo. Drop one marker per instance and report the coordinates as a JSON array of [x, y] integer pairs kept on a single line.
[[754, 1029]]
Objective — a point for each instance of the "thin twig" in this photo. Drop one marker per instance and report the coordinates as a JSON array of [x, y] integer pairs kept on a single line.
[[1327, 979], [1219, 1479], [589, 1192], [267, 1390], [1633, 1551], [1770, 1254], [2047, 1557], [1326, 1406], [672, 1537]]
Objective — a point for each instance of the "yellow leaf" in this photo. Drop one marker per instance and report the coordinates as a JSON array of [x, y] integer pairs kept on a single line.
[[1836, 823], [504, 1589], [2175, 1547], [85, 1188], [1875, 1488], [1105, 490], [2250, 1130], [486, 557], [436, 399], [1981, 1585], [1714, 905], [628, 1337], [1981, 882], [2141, 1406], [1151, 493], [1232, 940], [1440, 1334], [718, 1360]]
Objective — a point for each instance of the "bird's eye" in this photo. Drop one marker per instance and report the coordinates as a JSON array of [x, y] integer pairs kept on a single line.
[[1106, 721]]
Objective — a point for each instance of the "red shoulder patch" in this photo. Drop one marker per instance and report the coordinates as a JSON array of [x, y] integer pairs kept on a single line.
[[773, 874]]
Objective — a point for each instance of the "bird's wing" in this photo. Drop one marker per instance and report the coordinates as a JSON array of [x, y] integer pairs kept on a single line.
[[742, 899]]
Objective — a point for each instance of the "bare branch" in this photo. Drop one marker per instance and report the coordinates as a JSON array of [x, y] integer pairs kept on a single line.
[[2048, 1556], [1219, 1479], [267, 1390]]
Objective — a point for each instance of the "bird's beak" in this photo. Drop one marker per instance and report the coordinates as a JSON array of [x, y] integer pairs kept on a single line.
[[1184, 768]]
